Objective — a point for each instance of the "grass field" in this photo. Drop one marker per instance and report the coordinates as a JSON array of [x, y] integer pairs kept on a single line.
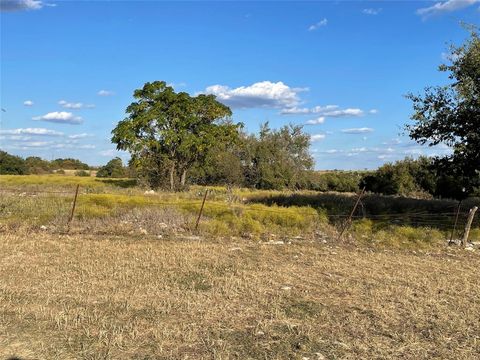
[[104, 297], [132, 279]]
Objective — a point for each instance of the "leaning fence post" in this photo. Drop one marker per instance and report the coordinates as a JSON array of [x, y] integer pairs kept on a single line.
[[455, 223], [351, 214], [73, 207], [201, 210], [471, 214]]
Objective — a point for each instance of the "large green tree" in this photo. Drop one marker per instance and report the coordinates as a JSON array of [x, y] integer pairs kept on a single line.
[[277, 159], [450, 115], [168, 132], [113, 169]]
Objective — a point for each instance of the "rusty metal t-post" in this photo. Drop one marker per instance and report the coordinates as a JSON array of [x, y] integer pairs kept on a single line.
[[73, 207], [201, 210], [455, 223], [351, 214]]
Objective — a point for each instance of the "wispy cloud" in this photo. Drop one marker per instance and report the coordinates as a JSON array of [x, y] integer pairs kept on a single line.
[[75, 105], [371, 11], [317, 137], [319, 120], [105, 93], [445, 7], [318, 25], [328, 111], [264, 94], [28, 103], [362, 130], [22, 5], [60, 117], [31, 131], [79, 136]]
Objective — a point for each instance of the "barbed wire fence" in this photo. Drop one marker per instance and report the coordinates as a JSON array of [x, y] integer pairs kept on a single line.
[[453, 219]]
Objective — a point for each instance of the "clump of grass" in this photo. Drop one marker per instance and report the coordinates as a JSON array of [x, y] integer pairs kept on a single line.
[[474, 235], [257, 220], [366, 231]]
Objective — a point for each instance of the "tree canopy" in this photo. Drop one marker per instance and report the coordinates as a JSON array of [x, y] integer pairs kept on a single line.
[[113, 169], [168, 132], [450, 115]]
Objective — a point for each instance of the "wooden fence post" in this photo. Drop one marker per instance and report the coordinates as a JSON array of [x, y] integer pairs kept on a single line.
[[455, 223], [201, 210], [347, 224], [471, 214], [73, 207]]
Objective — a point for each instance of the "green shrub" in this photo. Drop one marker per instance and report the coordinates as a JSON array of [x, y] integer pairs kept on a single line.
[[82, 173], [13, 165]]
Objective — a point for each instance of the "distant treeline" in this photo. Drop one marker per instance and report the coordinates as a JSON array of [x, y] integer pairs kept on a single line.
[[419, 178], [34, 165], [15, 165]]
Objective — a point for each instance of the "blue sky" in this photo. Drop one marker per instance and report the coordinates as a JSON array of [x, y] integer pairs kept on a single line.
[[69, 68]]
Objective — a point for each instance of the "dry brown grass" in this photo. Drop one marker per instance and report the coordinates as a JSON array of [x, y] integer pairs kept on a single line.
[[106, 297]]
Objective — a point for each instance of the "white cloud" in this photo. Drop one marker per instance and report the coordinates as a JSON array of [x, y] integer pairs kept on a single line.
[[316, 110], [319, 120], [362, 130], [105, 93], [333, 151], [109, 153], [328, 111], [78, 105], [265, 94], [20, 5], [60, 117], [317, 137], [362, 149], [177, 85], [79, 136], [86, 146], [371, 11], [373, 111], [344, 113], [445, 7], [384, 156], [31, 131], [28, 103], [36, 144], [318, 25]]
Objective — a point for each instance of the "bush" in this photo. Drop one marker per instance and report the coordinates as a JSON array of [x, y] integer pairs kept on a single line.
[[69, 164], [82, 173], [113, 169], [13, 165]]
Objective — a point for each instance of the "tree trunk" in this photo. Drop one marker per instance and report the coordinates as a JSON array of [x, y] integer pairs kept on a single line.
[[184, 177], [172, 177]]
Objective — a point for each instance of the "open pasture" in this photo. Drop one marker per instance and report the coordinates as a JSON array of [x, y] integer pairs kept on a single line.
[[131, 278]]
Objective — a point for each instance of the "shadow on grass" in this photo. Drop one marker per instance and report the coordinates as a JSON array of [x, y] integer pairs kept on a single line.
[[123, 183], [389, 209]]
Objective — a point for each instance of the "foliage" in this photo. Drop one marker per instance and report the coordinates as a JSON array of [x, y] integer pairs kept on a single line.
[[82, 173], [341, 181], [277, 159], [168, 132], [396, 178], [113, 169], [37, 165], [450, 115], [68, 164], [10, 164]]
